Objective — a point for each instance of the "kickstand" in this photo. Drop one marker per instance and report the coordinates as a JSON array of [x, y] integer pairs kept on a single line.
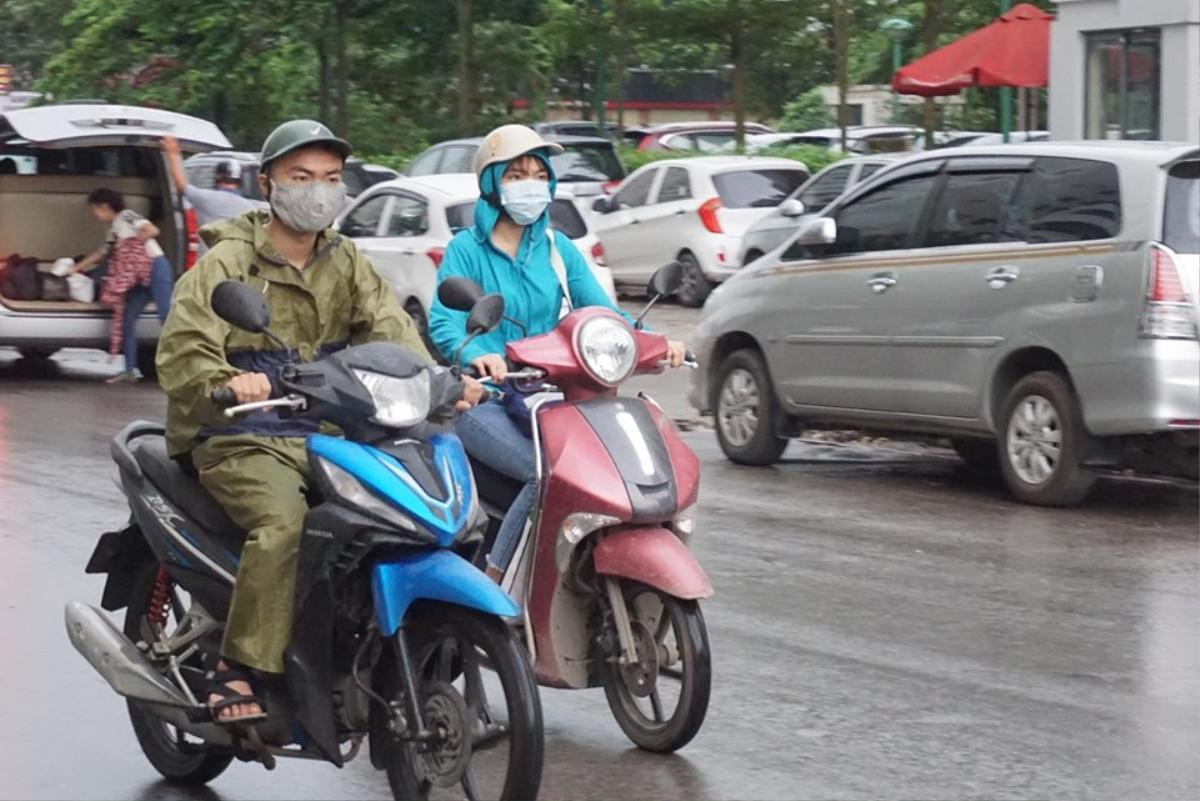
[[256, 747]]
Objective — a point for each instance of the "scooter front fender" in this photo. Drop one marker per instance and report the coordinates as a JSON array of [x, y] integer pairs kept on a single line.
[[655, 557], [435, 575]]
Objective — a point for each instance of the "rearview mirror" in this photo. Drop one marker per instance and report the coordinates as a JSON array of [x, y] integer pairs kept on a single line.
[[666, 280], [241, 306], [458, 293], [601, 205], [792, 207], [817, 231], [486, 314]]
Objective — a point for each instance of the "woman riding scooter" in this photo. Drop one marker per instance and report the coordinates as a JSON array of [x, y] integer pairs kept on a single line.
[[512, 251]]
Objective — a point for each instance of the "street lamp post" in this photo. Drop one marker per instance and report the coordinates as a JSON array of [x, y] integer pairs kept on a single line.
[[897, 29]]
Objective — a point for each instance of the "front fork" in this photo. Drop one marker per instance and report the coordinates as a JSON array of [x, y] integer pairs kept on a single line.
[[625, 640], [408, 681]]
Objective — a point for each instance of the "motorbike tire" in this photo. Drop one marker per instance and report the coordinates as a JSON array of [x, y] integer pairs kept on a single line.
[[193, 765], [692, 639], [508, 660]]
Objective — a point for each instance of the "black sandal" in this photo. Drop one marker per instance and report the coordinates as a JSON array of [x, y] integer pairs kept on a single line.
[[218, 684]]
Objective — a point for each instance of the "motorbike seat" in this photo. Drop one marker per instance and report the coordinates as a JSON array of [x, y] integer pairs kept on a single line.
[[185, 492], [495, 487]]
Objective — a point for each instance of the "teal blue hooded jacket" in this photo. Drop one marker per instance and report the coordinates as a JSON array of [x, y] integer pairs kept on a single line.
[[532, 293]]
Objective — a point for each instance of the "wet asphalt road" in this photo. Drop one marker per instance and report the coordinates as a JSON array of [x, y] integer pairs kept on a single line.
[[883, 628]]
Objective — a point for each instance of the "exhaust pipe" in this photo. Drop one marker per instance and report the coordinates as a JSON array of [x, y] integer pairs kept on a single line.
[[119, 661]]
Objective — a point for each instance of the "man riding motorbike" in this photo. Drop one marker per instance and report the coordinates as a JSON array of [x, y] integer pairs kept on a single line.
[[323, 296], [512, 252]]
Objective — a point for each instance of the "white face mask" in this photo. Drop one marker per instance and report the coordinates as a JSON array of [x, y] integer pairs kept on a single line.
[[308, 207], [525, 201]]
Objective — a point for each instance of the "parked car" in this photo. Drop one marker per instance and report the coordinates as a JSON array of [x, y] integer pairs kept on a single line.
[[815, 194], [66, 152], [974, 138], [575, 128], [693, 210], [588, 164], [403, 226], [1036, 303], [860, 139], [201, 171], [707, 137]]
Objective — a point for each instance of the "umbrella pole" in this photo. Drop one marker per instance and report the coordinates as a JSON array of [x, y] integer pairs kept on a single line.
[[1005, 93]]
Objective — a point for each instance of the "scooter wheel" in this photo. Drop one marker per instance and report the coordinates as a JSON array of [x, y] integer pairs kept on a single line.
[[660, 702], [176, 756]]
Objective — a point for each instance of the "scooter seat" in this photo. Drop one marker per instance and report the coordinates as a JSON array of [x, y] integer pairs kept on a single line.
[[185, 492]]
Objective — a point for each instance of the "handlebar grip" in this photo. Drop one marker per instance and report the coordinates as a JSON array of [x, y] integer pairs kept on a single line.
[[223, 398], [688, 356], [471, 372]]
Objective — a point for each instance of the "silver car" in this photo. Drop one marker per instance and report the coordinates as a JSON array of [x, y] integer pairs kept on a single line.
[[1036, 303], [815, 194]]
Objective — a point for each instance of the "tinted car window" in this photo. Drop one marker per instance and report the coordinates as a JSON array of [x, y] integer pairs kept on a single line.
[[426, 163], [352, 177], [409, 217], [974, 209], [202, 174], [587, 162], [710, 142], [676, 185], [634, 193], [1181, 215], [565, 217], [884, 219], [755, 189], [460, 158], [825, 189], [364, 220], [460, 216], [867, 171], [1069, 200], [138, 162]]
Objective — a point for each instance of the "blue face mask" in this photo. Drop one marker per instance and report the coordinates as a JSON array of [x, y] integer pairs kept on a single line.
[[525, 201]]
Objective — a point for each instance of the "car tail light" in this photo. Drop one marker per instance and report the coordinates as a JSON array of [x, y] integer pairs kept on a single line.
[[598, 255], [708, 215], [1167, 313], [436, 255], [610, 186], [193, 238]]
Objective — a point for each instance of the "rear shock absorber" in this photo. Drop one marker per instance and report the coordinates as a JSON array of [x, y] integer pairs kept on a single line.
[[160, 600]]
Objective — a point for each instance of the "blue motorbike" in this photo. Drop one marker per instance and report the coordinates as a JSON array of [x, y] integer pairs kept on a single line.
[[394, 627]]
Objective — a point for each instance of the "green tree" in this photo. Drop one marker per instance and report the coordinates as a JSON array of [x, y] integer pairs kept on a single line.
[[806, 112]]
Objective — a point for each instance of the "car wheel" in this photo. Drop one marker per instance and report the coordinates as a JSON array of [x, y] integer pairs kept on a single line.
[[421, 321], [695, 286], [146, 355], [747, 410], [36, 352], [1042, 441]]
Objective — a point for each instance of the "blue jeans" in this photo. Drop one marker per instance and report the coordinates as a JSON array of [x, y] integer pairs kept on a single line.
[[493, 438], [162, 281]]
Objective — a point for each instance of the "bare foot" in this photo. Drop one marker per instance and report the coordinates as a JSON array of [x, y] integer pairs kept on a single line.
[[240, 688]]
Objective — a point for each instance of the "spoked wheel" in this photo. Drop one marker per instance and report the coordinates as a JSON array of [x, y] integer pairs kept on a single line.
[[486, 738], [660, 702], [176, 755]]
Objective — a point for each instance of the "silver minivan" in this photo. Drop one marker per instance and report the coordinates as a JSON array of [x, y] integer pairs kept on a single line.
[[1035, 303], [61, 153]]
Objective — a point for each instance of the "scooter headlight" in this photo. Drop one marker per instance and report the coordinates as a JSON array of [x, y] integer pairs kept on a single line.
[[607, 349], [399, 402]]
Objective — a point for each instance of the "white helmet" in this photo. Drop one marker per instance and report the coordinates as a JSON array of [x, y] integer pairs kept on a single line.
[[507, 143]]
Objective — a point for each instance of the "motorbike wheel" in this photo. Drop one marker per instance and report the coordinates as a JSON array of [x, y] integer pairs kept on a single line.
[[176, 756], [678, 669], [484, 747]]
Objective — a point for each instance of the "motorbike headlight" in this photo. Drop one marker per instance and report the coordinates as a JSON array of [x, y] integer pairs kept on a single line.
[[399, 402], [607, 348]]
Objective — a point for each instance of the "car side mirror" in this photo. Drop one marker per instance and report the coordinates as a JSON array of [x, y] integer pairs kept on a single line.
[[817, 231], [458, 293], [792, 207], [601, 205], [666, 280], [241, 306]]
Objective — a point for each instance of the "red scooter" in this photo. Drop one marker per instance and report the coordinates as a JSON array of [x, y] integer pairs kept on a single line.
[[608, 588]]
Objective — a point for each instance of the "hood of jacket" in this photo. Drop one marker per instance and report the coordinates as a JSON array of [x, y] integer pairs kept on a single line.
[[487, 215]]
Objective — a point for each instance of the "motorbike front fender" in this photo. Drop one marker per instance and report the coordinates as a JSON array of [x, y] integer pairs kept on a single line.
[[434, 575], [655, 557]]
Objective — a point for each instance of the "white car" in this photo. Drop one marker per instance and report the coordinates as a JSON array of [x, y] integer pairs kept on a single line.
[[403, 226], [693, 211]]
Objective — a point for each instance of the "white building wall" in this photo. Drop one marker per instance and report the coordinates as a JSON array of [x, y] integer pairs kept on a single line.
[[1179, 92]]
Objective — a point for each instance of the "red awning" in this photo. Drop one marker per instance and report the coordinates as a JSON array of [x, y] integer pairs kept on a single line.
[[1012, 51]]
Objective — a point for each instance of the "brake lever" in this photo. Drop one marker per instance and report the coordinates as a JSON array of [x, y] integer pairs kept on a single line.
[[292, 401]]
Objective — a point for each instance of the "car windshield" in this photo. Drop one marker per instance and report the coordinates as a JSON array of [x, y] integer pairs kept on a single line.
[[1181, 215], [565, 217], [460, 216], [587, 162], [755, 189]]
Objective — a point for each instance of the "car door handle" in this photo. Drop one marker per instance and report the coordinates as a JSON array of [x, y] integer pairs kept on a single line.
[[680, 211], [635, 221], [1002, 276], [881, 282]]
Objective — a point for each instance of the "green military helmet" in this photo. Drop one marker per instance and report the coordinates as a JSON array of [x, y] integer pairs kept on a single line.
[[296, 134]]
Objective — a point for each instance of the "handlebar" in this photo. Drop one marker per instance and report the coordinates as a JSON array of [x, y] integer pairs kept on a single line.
[[223, 398]]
